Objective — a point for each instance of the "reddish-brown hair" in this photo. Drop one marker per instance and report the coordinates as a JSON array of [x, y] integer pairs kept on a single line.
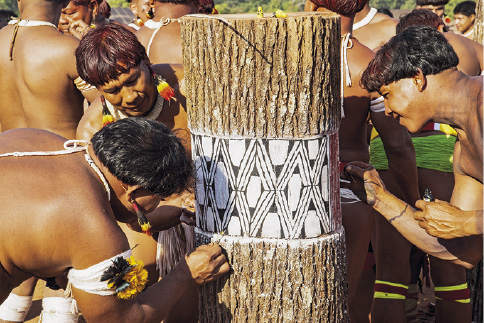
[[419, 17], [343, 7], [106, 52]]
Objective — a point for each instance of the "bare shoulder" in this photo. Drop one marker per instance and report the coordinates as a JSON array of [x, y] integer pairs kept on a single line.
[[171, 72], [91, 121], [143, 34], [97, 235], [359, 57]]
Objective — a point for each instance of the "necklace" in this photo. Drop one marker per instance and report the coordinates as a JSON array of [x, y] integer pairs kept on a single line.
[[365, 21], [31, 23], [25, 23]]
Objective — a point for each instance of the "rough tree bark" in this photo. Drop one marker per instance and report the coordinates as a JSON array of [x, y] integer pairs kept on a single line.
[[263, 101], [479, 23]]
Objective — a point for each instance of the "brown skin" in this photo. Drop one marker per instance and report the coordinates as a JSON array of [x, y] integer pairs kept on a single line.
[[380, 29], [65, 232], [450, 97], [470, 53], [76, 20], [134, 93], [174, 114], [392, 248], [166, 47], [140, 8], [40, 96], [357, 217]]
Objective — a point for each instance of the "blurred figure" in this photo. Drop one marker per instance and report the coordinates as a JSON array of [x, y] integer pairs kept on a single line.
[[373, 29], [5, 17], [141, 12], [161, 35], [436, 6], [464, 16]]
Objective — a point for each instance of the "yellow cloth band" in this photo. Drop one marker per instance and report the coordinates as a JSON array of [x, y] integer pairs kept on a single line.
[[388, 295], [446, 288], [391, 284]]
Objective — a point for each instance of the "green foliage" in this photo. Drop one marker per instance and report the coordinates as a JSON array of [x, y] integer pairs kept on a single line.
[[270, 6], [250, 6], [9, 5], [117, 3]]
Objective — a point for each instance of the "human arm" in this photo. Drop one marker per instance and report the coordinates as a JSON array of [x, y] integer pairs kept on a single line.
[[90, 122], [204, 264], [443, 220], [365, 182], [400, 154]]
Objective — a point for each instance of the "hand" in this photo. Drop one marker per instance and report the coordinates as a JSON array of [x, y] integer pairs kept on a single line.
[[78, 29], [363, 180], [443, 220], [205, 263]]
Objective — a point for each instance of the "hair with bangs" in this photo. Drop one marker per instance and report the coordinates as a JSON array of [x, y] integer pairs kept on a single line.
[[466, 8], [417, 47], [345, 8], [419, 17], [106, 52]]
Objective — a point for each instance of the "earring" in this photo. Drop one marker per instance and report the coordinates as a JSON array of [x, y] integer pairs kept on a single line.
[[150, 14], [142, 220]]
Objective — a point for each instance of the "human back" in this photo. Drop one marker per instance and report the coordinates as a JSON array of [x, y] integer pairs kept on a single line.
[[37, 83], [66, 217]]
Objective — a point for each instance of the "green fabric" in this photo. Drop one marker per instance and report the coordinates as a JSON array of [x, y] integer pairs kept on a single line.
[[432, 152]]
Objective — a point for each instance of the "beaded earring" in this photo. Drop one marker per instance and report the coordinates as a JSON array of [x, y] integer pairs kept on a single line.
[[150, 14], [142, 220]]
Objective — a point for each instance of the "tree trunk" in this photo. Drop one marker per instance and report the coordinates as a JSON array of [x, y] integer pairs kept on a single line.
[[479, 25], [263, 101]]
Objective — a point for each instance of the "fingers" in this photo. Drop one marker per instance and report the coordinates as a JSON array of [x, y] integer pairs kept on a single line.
[[357, 169], [421, 204]]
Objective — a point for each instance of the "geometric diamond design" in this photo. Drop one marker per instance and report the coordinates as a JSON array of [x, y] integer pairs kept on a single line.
[[263, 188]]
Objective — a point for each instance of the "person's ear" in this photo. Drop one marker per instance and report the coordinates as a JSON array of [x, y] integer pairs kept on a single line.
[[473, 18], [309, 6], [134, 9], [94, 6], [441, 28], [131, 192], [420, 80]]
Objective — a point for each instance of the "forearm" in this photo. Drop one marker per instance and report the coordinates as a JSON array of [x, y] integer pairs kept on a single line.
[[156, 302], [401, 216]]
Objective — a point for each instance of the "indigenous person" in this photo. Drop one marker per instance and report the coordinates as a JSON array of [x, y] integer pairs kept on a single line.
[[142, 12], [161, 35], [128, 167], [465, 16], [28, 100], [357, 104], [88, 11], [111, 58], [79, 15], [372, 28], [436, 6], [469, 52], [39, 96], [422, 84], [434, 147]]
